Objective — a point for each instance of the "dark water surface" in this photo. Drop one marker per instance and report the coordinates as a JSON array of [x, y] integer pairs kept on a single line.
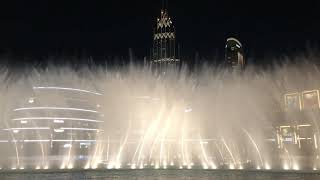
[[159, 175]]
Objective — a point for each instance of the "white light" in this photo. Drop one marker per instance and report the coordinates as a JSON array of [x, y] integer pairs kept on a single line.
[[205, 166], [31, 100], [58, 130], [21, 167], [69, 89], [36, 140], [156, 166], [70, 166], [304, 125], [58, 121], [295, 167], [85, 144], [231, 166], [55, 108], [180, 167], [188, 110], [67, 146], [13, 168], [80, 129], [213, 166], [314, 168], [38, 167], [285, 167], [118, 166], [24, 122], [165, 163], [60, 118], [29, 128], [110, 166], [267, 166], [69, 140], [15, 131], [258, 167], [46, 167]]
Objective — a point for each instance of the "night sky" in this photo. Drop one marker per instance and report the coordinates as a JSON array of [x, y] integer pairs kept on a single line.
[[110, 27]]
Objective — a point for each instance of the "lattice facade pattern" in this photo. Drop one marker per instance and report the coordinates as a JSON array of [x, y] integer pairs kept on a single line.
[[164, 50]]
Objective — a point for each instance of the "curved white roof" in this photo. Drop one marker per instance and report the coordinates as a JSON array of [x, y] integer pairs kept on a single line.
[[234, 39]]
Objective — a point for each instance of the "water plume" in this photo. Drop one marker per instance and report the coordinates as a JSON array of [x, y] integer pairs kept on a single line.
[[132, 117]]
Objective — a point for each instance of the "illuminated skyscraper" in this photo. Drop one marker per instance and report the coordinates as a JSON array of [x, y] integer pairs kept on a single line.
[[165, 50], [234, 54]]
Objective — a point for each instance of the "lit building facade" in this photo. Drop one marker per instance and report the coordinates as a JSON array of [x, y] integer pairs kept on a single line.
[[234, 57], [165, 52], [299, 128], [296, 127]]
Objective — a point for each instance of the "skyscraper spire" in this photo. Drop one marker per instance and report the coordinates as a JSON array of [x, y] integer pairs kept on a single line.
[[164, 4]]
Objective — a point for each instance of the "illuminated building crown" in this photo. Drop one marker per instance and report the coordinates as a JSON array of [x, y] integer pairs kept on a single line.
[[164, 48]]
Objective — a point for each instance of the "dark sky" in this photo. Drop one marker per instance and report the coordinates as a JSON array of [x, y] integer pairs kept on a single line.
[[112, 26]]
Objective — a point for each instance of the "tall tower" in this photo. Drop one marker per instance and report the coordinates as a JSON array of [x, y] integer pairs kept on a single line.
[[234, 54], [164, 51]]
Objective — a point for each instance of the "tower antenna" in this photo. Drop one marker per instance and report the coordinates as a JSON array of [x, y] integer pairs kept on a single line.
[[165, 4]]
